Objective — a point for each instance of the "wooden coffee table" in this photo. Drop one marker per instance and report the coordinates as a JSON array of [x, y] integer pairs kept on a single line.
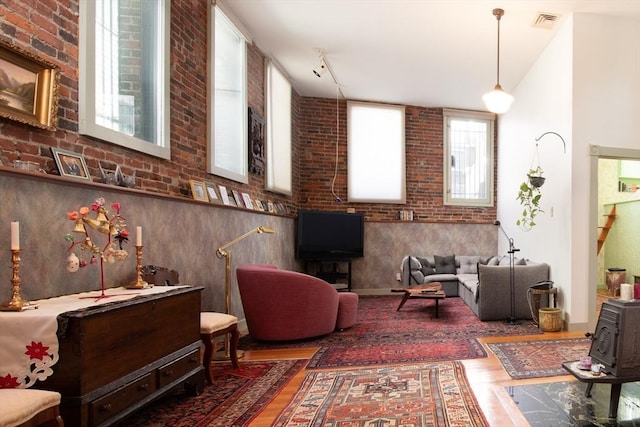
[[427, 291]]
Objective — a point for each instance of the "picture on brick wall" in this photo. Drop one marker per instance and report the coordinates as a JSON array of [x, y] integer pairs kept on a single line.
[[71, 164], [256, 143], [28, 88]]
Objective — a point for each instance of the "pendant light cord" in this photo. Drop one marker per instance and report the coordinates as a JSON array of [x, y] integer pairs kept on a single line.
[[335, 173]]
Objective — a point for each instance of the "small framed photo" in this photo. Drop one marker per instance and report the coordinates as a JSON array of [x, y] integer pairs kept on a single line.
[[237, 198], [224, 195], [198, 191], [211, 192], [247, 201], [71, 164]]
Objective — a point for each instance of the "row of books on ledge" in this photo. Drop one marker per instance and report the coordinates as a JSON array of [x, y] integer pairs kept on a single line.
[[210, 192]]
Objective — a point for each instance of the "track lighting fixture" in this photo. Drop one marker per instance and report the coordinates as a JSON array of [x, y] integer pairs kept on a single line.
[[498, 101], [321, 68]]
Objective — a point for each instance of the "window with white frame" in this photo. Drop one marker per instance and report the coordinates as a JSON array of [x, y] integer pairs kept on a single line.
[[124, 74], [278, 130], [468, 158], [376, 153], [228, 123]]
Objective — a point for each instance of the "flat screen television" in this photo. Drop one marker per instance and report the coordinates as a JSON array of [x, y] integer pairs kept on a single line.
[[329, 235]]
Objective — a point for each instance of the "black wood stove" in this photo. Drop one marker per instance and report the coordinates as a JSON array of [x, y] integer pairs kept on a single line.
[[616, 341]]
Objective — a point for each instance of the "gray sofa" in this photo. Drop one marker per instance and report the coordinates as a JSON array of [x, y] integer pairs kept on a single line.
[[483, 282]]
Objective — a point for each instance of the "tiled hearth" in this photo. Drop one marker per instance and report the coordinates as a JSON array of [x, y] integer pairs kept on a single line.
[[565, 404]]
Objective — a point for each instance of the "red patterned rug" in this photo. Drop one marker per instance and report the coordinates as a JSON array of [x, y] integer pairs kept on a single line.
[[433, 394], [383, 335], [541, 358], [234, 399]]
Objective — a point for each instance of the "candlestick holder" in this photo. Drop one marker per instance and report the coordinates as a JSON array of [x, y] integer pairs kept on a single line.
[[138, 283], [16, 303]]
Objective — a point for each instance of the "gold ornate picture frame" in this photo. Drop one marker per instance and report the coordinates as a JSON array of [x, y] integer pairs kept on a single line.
[[28, 88]]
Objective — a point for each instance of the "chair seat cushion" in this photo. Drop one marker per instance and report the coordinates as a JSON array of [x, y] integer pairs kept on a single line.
[[20, 405], [211, 322]]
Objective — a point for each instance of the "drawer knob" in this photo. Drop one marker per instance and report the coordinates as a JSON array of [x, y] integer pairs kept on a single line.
[[106, 408], [143, 387], [167, 373]]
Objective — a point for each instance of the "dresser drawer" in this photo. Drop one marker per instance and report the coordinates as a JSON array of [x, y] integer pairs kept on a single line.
[[107, 406], [176, 369]]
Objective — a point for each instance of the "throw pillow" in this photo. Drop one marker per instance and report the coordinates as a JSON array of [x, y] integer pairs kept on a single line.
[[427, 269], [445, 264], [521, 261], [469, 264], [494, 260]]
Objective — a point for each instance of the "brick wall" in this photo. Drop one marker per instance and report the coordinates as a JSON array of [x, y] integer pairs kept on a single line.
[[49, 29], [424, 161]]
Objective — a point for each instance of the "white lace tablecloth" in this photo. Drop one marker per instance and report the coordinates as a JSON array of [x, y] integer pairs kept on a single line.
[[28, 340]]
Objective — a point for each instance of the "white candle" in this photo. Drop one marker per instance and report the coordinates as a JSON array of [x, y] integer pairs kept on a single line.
[[626, 292], [15, 235], [138, 236]]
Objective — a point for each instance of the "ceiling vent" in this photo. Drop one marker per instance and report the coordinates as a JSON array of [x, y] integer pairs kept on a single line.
[[545, 20]]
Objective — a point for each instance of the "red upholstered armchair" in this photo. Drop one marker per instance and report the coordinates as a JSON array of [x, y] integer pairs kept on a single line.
[[281, 305]]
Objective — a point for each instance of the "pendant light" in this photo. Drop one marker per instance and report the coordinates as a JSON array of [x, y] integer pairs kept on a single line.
[[498, 101]]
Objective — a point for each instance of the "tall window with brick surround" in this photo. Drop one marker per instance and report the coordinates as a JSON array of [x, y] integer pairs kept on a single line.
[[468, 158], [376, 153], [124, 73], [228, 122], [278, 132]]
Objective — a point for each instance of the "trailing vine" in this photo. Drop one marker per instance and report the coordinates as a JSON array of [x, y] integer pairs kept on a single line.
[[529, 197]]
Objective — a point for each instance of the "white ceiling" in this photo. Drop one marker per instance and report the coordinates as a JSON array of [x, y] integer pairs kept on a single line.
[[432, 53]]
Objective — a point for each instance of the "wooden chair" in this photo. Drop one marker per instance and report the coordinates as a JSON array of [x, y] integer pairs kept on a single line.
[[214, 325], [30, 408]]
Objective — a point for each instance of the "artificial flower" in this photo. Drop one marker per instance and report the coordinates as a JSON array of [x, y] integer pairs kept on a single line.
[[116, 207], [84, 211], [73, 215]]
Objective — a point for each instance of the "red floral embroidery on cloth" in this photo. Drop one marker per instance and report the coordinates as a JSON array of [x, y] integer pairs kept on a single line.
[[36, 350], [39, 367]]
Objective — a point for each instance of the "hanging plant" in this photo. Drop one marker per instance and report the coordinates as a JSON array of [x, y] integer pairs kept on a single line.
[[529, 197]]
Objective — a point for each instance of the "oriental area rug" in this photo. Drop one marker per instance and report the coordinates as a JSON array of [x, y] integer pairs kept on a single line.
[[234, 399], [432, 394], [383, 335], [540, 358]]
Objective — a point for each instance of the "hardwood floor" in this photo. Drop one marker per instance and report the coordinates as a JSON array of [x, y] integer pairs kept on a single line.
[[487, 377]]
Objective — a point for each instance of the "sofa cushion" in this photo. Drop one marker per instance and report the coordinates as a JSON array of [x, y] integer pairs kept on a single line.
[[447, 277], [445, 264], [468, 264], [427, 267]]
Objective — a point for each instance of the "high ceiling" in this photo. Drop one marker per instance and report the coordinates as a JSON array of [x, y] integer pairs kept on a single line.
[[432, 53]]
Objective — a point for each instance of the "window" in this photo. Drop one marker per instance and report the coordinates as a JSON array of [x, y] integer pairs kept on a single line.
[[124, 73], [375, 153], [278, 132], [468, 158], [228, 125]]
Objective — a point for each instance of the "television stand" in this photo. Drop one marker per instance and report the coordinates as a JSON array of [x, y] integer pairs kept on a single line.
[[329, 270]]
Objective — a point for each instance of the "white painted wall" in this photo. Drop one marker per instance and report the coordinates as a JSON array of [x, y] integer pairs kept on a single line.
[[586, 87]]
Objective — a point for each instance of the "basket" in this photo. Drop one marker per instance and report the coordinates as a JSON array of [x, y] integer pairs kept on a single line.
[[550, 319]]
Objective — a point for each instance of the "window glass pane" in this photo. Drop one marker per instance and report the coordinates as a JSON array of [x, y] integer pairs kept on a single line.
[[123, 73], [468, 160], [228, 137], [376, 155], [278, 131]]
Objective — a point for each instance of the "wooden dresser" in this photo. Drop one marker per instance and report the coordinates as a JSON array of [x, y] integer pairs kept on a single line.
[[117, 357]]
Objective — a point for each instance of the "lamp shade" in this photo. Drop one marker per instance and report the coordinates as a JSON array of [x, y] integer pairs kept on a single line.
[[497, 101]]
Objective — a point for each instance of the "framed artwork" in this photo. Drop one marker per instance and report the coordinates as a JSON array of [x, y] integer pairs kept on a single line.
[[198, 190], [224, 195], [211, 192], [71, 164], [256, 143], [237, 198], [247, 201], [30, 88]]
